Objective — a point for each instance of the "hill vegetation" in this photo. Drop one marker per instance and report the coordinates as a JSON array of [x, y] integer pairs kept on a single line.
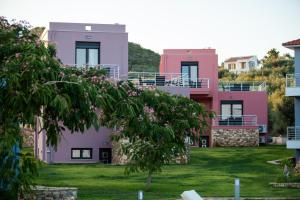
[[273, 72], [141, 59]]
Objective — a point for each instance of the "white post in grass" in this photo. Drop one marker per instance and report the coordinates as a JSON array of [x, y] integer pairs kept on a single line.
[[237, 189], [140, 195]]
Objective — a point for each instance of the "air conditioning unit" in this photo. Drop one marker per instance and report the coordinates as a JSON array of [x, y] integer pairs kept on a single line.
[[262, 128]]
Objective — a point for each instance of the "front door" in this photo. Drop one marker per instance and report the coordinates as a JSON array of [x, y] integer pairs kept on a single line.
[[204, 141], [105, 155]]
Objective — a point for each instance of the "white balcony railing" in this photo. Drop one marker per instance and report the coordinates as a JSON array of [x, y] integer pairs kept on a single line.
[[292, 80], [112, 70], [166, 79], [235, 120], [242, 86], [293, 133]]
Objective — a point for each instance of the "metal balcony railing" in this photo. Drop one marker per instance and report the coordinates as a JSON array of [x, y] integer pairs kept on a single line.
[[242, 86], [292, 80], [112, 70], [293, 133], [235, 120], [166, 79]]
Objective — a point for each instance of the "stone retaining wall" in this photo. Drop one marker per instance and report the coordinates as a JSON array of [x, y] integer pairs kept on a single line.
[[119, 159], [54, 193], [286, 185], [28, 136], [235, 137]]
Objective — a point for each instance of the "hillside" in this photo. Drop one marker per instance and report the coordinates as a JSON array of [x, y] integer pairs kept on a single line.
[[141, 59]]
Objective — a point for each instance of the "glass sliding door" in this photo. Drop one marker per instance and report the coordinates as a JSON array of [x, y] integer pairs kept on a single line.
[[80, 57], [93, 57], [225, 111], [237, 110], [87, 54], [185, 71], [194, 73], [189, 71], [231, 112]]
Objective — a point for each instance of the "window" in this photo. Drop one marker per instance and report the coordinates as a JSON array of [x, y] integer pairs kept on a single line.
[[81, 153], [251, 64], [190, 72], [190, 69], [243, 65], [231, 113], [87, 53], [231, 109]]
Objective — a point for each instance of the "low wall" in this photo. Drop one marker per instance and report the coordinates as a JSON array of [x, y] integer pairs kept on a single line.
[[28, 136], [279, 140], [286, 185], [55, 193], [117, 157], [235, 137]]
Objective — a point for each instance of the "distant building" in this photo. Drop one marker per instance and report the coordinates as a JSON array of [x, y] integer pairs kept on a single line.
[[241, 64]]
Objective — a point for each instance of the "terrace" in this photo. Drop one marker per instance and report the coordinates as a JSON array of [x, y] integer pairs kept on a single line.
[[235, 120], [242, 86], [292, 85], [293, 137], [167, 79], [112, 70]]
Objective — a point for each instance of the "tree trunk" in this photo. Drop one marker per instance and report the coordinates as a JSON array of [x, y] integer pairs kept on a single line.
[[149, 180]]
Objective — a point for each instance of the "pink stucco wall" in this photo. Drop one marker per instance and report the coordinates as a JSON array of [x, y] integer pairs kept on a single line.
[[254, 103], [207, 60], [207, 68]]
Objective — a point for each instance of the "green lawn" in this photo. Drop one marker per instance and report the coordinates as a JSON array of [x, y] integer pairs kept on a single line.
[[211, 172]]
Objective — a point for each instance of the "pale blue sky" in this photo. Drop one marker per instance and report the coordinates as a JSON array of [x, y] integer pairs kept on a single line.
[[232, 27]]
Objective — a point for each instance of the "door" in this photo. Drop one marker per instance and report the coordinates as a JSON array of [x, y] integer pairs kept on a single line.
[[189, 72], [105, 155], [204, 141]]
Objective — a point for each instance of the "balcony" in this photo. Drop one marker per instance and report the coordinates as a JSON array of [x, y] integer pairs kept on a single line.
[[235, 120], [112, 70], [293, 137], [166, 79], [242, 86], [292, 85]]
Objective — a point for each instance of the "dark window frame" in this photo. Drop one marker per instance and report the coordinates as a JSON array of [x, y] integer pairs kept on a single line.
[[87, 46], [189, 64], [231, 102], [109, 159], [81, 152]]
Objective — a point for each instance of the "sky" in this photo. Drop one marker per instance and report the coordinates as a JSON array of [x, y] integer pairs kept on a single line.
[[232, 27]]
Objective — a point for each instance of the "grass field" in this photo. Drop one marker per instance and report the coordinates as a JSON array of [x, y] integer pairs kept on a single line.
[[211, 172]]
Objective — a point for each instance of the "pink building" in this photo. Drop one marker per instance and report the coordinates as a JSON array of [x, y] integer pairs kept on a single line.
[[241, 108]]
